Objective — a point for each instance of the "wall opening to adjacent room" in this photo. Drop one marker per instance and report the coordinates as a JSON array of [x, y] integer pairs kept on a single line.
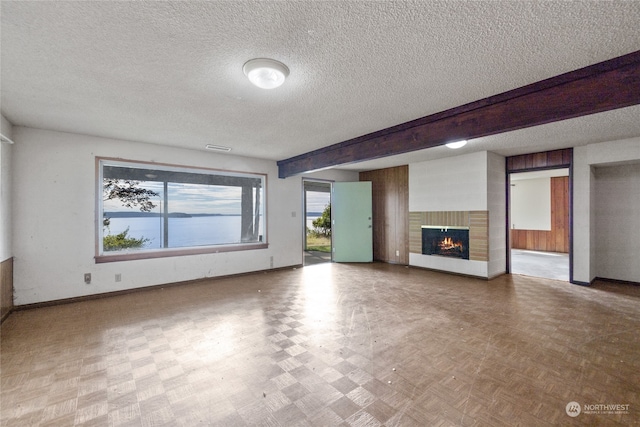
[[539, 223]]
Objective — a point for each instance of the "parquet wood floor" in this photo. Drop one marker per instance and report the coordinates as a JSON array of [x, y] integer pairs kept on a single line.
[[328, 345]]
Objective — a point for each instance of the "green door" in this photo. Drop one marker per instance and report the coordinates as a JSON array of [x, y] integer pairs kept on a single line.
[[351, 228]]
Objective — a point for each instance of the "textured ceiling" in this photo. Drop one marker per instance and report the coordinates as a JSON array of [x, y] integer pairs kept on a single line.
[[171, 72]]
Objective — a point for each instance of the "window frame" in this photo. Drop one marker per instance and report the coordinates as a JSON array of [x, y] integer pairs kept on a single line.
[[102, 257]]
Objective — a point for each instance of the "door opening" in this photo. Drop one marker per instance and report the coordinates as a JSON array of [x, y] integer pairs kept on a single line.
[[539, 223], [317, 222]]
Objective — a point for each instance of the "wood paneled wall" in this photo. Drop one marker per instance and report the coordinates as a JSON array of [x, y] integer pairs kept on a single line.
[[390, 188], [556, 240], [546, 159], [6, 288]]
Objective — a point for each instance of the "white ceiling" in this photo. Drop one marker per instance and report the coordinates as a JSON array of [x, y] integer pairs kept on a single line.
[[171, 72]]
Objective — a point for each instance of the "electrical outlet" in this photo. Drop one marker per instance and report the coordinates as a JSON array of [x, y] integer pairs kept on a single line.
[[87, 278], [271, 262], [397, 253], [118, 277]]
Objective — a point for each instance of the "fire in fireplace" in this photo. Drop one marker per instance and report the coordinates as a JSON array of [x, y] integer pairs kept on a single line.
[[445, 241]]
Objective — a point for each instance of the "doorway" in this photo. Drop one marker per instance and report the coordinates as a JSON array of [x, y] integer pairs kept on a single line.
[[539, 223], [317, 222]]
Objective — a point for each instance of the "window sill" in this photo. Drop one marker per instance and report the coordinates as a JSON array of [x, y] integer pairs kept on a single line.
[[165, 253]]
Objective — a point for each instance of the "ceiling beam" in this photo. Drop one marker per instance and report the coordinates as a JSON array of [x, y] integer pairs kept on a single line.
[[594, 89]]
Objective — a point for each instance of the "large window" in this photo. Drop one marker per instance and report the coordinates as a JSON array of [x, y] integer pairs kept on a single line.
[[149, 210]]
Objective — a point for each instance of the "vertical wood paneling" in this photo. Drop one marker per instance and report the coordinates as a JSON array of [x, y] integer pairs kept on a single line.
[[516, 163], [560, 213], [555, 157], [6, 287], [378, 211], [547, 159], [478, 235], [402, 215], [390, 188], [416, 220], [539, 160]]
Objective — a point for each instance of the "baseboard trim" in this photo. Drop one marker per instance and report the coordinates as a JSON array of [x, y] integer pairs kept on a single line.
[[617, 281], [142, 289], [453, 273], [576, 282], [6, 315], [6, 288]]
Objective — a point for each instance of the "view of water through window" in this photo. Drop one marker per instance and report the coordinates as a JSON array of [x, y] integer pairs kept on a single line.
[[183, 232], [171, 207]]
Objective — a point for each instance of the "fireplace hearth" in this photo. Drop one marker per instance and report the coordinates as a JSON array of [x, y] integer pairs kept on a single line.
[[450, 242]]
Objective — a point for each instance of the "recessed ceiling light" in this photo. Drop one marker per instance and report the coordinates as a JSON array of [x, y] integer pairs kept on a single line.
[[457, 144], [217, 148], [265, 73]]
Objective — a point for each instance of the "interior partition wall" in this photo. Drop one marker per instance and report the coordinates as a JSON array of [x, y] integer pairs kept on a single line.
[[556, 159]]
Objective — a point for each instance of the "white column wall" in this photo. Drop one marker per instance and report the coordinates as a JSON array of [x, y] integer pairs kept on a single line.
[[6, 234], [497, 206], [54, 187], [582, 177]]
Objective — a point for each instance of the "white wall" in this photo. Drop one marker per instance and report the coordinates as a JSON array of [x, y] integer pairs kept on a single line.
[[531, 204], [585, 159], [468, 182], [54, 187], [497, 206], [617, 222], [450, 184], [6, 250]]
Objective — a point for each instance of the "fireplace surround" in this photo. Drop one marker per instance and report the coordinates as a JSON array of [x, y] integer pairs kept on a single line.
[[475, 222]]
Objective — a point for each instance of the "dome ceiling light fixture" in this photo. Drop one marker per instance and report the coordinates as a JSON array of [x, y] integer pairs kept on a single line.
[[265, 73], [457, 144]]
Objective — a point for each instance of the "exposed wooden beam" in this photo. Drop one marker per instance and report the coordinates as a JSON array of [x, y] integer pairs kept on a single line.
[[594, 89]]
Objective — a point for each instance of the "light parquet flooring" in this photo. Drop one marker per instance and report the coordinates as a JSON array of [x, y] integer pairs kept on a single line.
[[328, 345]]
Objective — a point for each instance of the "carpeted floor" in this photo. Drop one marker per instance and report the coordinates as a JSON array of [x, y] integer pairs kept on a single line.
[[549, 265]]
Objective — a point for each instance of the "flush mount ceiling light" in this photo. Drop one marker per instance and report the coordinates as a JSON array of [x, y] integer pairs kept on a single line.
[[457, 144], [265, 73], [217, 148]]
